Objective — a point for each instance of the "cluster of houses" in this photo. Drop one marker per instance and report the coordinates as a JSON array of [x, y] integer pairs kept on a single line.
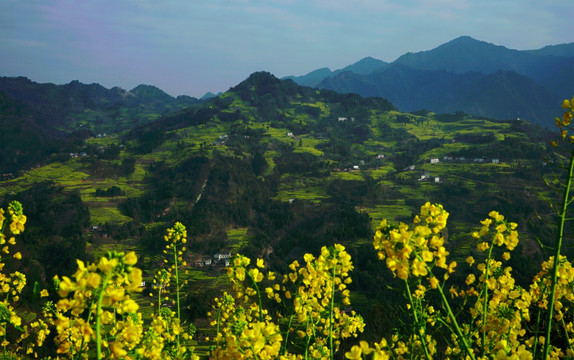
[[224, 137], [480, 160], [219, 259], [78, 155], [426, 174]]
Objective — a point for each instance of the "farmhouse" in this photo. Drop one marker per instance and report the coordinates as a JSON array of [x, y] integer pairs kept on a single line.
[[221, 256]]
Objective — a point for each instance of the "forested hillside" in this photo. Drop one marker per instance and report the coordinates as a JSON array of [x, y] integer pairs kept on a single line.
[[274, 170]]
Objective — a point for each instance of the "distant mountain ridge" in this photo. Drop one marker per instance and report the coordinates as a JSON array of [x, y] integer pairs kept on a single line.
[[362, 67], [59, 105], [38, 120], [447, 78]]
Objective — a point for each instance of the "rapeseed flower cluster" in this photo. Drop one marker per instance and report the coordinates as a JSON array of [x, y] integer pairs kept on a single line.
[[413, 251], [500, 308], [11, 285], [306, 297], [564, 123], [90, 303], [496, 319]]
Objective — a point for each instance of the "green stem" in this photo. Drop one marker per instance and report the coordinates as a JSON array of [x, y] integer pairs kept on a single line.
[[331, 311], [159, 298], [558, 247], [176, 289], [536, 332], [258, 296], [485, 300], [418, 326], [308, 340], [218, 320], [457, 329], [99, 316], [176, 281], [287, 334]]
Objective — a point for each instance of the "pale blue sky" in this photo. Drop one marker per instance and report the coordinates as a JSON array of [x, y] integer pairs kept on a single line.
[[191, 47]]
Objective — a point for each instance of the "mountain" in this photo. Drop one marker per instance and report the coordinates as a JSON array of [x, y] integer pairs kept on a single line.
[[501, 95], [443, 80], [146, 93], [75, 105], [563, 50], [209, 95], [550, 66], [39, 120], [362, 67], [312, 78], [466, 54], [272, 169]]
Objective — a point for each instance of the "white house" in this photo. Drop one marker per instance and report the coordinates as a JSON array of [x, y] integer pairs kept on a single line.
[[495, 161], [221, 256], [342, 119], [434, 160]]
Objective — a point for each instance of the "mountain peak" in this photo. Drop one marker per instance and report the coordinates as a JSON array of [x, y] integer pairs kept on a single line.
[[259, 79], [464, 39], [365, 66], [144, 91]]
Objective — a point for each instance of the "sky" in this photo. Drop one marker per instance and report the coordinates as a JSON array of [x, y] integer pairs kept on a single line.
[[190, 47]]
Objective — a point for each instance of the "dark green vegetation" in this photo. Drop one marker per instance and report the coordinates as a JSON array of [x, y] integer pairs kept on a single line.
[[40, 120], [271, 169], [463, 75]]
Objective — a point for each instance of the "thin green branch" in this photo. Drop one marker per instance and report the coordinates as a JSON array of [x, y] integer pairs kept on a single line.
[[558, 245]]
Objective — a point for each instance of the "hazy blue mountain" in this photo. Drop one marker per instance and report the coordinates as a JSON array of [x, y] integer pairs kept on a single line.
[[564, 50], [552, 66], [527, 83], [466, 54], [365, 66], [312, 78], [209, 95], [362, 67], [501, 95]]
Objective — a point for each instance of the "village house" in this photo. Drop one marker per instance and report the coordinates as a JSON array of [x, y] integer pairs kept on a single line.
[[434, 160], [495, 161], [221, 256]]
